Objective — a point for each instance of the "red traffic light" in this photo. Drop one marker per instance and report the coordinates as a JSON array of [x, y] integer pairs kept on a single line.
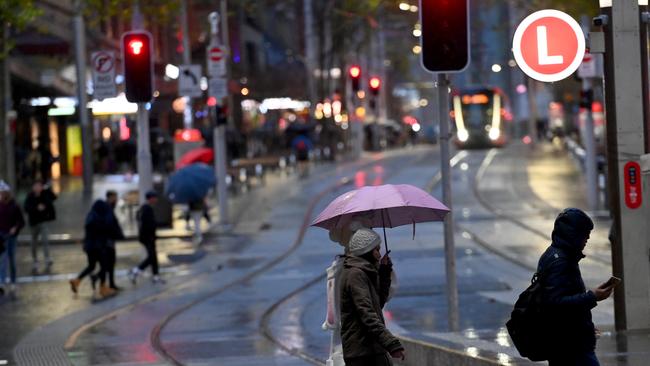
[[375, 83], [355, 72], [135, 46]]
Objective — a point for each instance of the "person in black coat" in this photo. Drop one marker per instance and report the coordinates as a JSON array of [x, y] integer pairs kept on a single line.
[[147, 236], [39, 206], [100, 228], [567, 302]]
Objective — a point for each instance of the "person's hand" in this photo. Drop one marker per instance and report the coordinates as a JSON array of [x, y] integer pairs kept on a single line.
[[398, 354], [602, 293], [385, 260], [597, 332], [40, 207], [12, 231]]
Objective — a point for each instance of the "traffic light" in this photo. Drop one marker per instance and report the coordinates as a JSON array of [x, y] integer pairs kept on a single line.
[[375, 84], [445, 35], [137, 56], [355, 76]]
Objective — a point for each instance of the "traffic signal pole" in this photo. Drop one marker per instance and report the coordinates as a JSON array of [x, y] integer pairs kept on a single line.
[[187, 112], [445, 169], [628, 186], [82, 98]]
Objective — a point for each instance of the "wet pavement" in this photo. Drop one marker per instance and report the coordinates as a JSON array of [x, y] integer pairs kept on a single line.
[[256, 294]]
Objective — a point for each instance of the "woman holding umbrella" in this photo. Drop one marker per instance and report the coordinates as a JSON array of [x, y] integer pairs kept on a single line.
[[365, 284]]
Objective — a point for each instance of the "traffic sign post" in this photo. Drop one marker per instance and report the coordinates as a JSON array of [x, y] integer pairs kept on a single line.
[[189, 80], [217, 60], [218, 88], [548, 45], [103, 68]]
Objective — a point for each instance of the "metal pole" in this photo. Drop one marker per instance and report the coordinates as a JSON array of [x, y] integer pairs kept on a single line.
[[80, 58], [532, 107], [7, 165], [187, 113], [445, 169], [630, 254], [219, 133], [590, 147], [145, 181], [310, 54]]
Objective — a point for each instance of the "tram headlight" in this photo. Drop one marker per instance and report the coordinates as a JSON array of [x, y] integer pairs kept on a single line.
[[494, 134], [463, 135]]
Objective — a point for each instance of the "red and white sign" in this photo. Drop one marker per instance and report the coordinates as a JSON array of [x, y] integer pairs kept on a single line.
[[217, 60], [633, 189], [548, 45], [103, 68], [215, 54]]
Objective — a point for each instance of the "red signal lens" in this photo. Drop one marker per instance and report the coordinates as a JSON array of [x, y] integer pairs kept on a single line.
[[355, 71], [375, 83], [136, 46]]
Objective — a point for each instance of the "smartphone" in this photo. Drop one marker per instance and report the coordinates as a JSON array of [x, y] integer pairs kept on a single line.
[[612, 282]]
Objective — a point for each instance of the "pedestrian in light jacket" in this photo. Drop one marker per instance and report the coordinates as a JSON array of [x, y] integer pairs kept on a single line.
[[566, 300], [11, 222], [39, 206], [365, 285]]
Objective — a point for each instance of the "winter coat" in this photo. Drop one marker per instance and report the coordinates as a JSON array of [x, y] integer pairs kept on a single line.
[[364, 292], [101, 227], [46, 198], [567, 304], [10, 216], [146, 224]]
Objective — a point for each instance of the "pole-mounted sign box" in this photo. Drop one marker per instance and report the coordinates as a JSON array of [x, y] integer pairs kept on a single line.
[[548, 45]]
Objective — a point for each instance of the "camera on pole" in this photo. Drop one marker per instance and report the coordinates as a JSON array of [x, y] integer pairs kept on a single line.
[[445, 35], [137, 56]]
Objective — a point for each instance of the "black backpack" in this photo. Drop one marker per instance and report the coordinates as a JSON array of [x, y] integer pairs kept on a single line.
[[527, 326]]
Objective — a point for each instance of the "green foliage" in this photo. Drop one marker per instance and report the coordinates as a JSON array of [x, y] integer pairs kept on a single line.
[[154, 11], [17, 13], [574, 7]]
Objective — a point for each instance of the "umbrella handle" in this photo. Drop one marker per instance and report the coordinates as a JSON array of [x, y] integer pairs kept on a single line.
[[384, 227]]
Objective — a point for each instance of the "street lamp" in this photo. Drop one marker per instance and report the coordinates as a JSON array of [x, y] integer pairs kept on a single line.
[[496, 68], [404, 6]]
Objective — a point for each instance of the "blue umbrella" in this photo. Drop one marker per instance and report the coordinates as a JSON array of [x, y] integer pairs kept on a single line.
[[190, 183]]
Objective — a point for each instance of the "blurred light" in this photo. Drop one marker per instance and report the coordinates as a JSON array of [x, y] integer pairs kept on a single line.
[[117, 105], [338, 118], [503, 359], [156, 94], [424, 102], [404, 6], [527, 140], [355, 71], [335, 73], [203, 83], [344, 126], [374, 83], [471, 351], [106, 133], [172, 71], [327, 110], [361, 94], [188, 135], [244, 91], [463, 135], [464, 167], [211, 102], [417, 49], [496, 68], [61, 111], [512, 63], [417, 32], [413, 9], [178, 105], [65, 102], [147, 106], [494, 134], [416, 127], [360, 112], [336, 107], [125, 131], [417, 26], [521, 88], [318, 114], [119, 79], [40, 102]]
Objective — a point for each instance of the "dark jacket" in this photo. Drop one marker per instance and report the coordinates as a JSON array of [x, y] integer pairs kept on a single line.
[[364, 291], [567, 303], [46, 198], [101, 227], [146, 224], [10, 216]]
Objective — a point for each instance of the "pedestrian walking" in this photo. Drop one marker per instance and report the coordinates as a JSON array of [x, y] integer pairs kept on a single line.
[[365, 285], [39, 206], [566, 302], [100, 228], [147, 236], [109, 256], [11, 222]]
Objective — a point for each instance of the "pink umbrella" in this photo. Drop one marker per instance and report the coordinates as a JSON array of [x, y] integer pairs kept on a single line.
[[385, 206]]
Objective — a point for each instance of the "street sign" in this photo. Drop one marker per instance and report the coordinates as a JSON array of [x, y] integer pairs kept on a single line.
[[548, 45], [217, 60], [589, 67], [189, 81], [103, 69], [218, 88]]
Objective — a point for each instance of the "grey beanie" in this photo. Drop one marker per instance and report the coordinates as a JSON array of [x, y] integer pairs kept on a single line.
[[363, 241]]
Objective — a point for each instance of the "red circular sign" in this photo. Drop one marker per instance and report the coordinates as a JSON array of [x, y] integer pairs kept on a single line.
[[103, 62], [548, 45], [216, 54]]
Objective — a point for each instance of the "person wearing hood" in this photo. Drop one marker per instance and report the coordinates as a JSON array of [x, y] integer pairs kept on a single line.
[[101, 227], [566, 301], [365, 284]]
